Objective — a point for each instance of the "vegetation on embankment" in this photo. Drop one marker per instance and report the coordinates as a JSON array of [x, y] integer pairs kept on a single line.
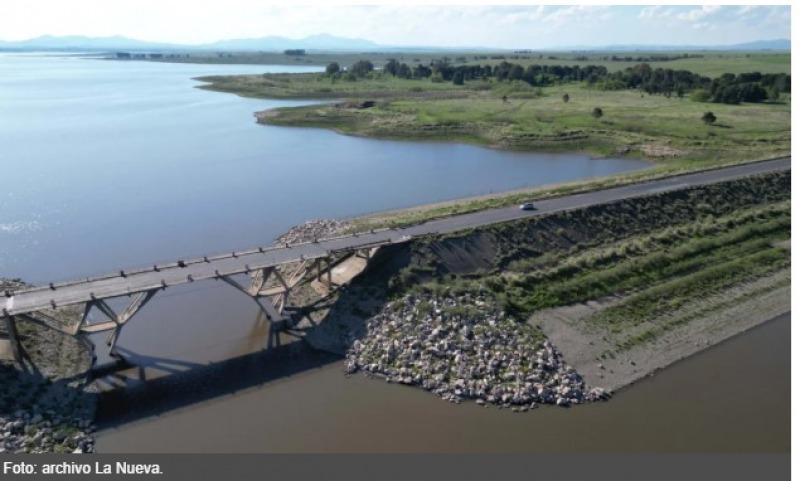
[[667, 249], [661, 252]]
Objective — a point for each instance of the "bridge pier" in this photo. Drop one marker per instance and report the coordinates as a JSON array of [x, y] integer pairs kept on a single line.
[[13, 339], [272, 309]]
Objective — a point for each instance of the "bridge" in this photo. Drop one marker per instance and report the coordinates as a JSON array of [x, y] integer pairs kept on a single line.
[[270, 285]]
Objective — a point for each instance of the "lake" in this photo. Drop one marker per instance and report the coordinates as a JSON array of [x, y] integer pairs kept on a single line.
[[107, 164]]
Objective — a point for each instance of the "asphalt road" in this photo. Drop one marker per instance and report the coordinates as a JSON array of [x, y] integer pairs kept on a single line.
[[131, 281]]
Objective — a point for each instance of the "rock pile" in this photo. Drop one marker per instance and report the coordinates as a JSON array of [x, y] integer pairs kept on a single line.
[[311, 230], [24, 432], [463, 347]]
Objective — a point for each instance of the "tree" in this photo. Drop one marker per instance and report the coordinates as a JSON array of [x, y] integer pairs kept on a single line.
[[597, 112], [565, 98], [404, 71], [709, 118], [332, 68], [391, 67], [362, 68], [516, 72], [458, 77]]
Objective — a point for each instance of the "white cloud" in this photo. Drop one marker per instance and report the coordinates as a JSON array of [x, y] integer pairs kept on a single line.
[[522, 16], [746, 9], [575, 14], [657, 12], [699, 13]]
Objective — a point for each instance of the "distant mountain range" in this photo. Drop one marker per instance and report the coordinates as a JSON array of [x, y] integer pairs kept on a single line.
[[325, 42], [75, 42], [314, 42], [269, 43]]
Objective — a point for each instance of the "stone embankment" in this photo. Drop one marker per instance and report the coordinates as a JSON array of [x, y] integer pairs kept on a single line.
[[465, 348], [29, 431], [311, 230], [46, 407]]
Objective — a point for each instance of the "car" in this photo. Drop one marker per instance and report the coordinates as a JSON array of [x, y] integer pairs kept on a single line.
[[526, 206]]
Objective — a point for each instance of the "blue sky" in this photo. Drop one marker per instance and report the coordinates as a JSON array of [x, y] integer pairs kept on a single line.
[[509, 26]]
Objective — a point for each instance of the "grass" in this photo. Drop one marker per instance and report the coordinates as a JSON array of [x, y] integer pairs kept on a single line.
[[658, 326], [320, 86], [637, 124], [516, 116], [695, 264], [751, 261]]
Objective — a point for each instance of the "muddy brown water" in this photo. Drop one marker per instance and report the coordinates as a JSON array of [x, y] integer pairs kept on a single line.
[[733, 397]]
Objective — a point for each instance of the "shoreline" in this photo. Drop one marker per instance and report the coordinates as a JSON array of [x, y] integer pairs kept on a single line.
[[702, 333], [540, 192], [642, 128], [734, 335], [641, 362]]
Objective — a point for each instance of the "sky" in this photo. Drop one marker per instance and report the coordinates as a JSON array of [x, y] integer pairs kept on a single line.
[[491, 26]]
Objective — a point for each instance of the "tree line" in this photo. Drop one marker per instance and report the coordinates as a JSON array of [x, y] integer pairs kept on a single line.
[[727, 88]]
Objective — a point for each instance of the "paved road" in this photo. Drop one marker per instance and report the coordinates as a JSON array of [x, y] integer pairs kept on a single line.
[[131, 281]]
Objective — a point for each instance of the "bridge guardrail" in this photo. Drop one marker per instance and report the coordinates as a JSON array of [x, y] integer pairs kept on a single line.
[[194, 261]]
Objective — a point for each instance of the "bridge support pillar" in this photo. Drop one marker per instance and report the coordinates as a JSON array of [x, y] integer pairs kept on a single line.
[[13, 338], [329, 273], [273, 313]]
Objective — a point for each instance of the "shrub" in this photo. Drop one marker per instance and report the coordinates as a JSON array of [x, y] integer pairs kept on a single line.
[[700, 96], [709, 118]]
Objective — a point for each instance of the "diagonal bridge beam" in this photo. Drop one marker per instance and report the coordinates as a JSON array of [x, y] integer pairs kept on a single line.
[[116, 321]]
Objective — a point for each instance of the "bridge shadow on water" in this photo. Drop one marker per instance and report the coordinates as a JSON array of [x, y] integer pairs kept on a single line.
[[139, 386]]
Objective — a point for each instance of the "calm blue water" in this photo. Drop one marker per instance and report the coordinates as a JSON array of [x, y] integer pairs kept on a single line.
[[107, 164]]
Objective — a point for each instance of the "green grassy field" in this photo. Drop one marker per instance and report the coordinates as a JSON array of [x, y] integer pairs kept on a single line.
[[515, 115]]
